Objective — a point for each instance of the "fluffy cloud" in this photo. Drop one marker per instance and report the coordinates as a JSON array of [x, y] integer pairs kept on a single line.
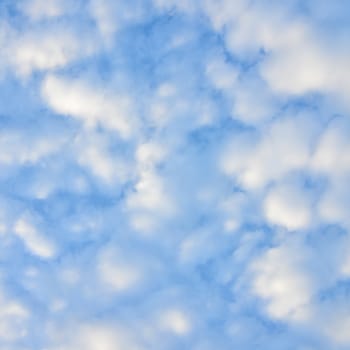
[[298, 60], [98, 336], [175, 321], [39, 9], [288, 206], [281, 281], [35, 52], [12, 320], [21, 148], [285, 146], [119, 273], [331, 156], [251, 100], [94, 152], [78, 100], [35, 242]]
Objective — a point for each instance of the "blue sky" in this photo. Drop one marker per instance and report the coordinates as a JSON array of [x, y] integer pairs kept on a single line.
[[174, 175]]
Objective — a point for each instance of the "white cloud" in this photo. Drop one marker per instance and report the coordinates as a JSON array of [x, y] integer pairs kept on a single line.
[[221, 12], [288, 206], [101, 164], [222, 74], [45, 47], [298, 59], [198, 247], [18, 148], [310, 66], [150, 153], [282, 283], [45, 51], [339, 330], [104, 14], [283, 146], [166, 105], [334, 205], [253, 102], [175, 321], [250, 98], [126, 269], [335, 322], [345, 266], [44, 9], [236, 158], [250, 27], [150, 201], [13, 317], [110, 16], [332, 153], [97, 336], [34, 241], [93, 107], [307, 70], [118, 272], [3, 228], [331, 159], [238, 209], [94, 152], [105, 338], [149, 194]]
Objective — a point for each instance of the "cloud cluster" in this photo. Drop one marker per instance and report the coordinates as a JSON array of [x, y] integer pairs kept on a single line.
[[174, 175]]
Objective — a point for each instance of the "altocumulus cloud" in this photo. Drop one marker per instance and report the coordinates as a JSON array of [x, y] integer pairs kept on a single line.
[[174, 175]]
